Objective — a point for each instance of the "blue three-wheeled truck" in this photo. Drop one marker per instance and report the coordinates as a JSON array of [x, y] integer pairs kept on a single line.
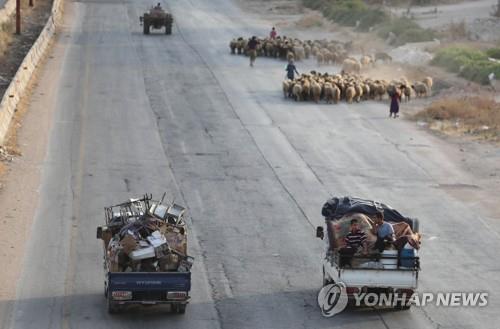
[[145, 260]]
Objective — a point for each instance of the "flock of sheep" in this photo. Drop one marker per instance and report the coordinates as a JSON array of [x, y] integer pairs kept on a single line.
[[325, 51], [333, 88], [349, 85], [294, 49]]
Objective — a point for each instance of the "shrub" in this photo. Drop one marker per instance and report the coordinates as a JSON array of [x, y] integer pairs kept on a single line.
[[493, 52], [405, 31], [372, 18], [469, 63], [348, 12], [315, 4]]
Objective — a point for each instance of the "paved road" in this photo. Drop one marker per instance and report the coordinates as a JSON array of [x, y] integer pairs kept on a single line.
[[135, 114]]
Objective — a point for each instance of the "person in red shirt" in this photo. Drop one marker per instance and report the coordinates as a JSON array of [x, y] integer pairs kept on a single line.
[[273, 33]]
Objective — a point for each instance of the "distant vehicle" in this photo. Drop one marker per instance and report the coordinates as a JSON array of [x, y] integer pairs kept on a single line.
[[389, 272], [157, 18], [145, 255]]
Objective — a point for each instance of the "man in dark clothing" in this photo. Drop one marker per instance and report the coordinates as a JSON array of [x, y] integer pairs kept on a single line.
[[395, 100], [384, 232], [291, 69], [252, 49], [353, 240]]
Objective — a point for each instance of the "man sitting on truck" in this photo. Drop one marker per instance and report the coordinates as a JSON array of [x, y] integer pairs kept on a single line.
[[384, 232], [353, 240]]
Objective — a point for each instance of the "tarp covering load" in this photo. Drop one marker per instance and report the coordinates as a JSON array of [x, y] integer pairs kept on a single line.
[[339, 211], [337, 207], [142, 235]]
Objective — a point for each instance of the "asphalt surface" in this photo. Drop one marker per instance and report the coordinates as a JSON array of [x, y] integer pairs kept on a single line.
[[136, 114]]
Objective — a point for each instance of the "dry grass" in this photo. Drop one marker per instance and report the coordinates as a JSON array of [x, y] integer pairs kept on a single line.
[[309, 21], [6, 31], [457, 30], [475, 115]]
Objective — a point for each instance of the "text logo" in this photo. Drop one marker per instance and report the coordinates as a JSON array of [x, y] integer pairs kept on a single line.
[[332, 299]]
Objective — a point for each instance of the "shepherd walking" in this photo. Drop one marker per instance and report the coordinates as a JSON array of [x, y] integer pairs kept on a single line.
[[252, 49], [395, 99], [291, 70]]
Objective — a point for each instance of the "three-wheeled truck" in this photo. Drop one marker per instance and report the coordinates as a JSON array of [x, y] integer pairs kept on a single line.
[[150, 271], [391, 272]]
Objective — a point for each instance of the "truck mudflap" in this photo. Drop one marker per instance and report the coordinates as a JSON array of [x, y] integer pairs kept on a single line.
[[148, 288]]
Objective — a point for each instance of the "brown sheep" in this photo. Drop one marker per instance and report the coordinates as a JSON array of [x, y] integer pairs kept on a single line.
[[351, 65], [306, 89], [270, 49], [366, 60], [286, 88], [242, 43], [327, 56], [297, 91], [420, 89], [320, 58], [315, 91], [406, 92], [232, 45], [307, 51], [379, 90], [328, 92], [428, 82], [384, 57], [336, 94], [359, 92], [350, 93], [299, 52], [366, 91]]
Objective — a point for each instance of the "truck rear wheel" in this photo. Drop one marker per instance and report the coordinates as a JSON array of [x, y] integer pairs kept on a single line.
[[146, 28], [179, 308], [168, 29]]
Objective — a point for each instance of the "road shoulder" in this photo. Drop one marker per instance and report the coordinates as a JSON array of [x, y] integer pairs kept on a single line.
[[20, 183]]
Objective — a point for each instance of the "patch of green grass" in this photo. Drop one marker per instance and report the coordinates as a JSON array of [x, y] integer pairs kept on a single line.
[[471, 64], [315, 4], [493, 53], [348, 12], [405, 31]]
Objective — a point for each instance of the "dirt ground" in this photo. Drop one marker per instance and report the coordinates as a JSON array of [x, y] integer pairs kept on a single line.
[[15, 47], [18, 176]]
